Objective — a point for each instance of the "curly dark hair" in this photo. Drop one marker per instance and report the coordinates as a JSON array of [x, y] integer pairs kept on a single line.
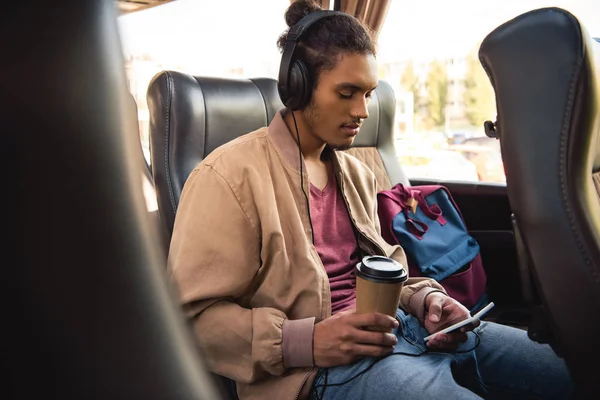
[[322, 45]]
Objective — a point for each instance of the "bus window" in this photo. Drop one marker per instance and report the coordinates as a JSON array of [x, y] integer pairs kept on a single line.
[[204, 38], [428, 53]]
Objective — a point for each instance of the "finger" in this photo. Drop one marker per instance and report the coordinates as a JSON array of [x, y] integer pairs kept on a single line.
[[365, 350], [435, 308], [470, 327], [442, 342], [433, 345], [457, 337], [374, 319], [436, 342], [375, 338]]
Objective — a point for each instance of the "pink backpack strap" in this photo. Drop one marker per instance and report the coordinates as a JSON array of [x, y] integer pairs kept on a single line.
[[433, 211], [417, 228], [387, 208], [426, 190], [391, 203]]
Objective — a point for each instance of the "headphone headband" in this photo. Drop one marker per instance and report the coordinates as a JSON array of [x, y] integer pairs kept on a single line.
[[294, 34]]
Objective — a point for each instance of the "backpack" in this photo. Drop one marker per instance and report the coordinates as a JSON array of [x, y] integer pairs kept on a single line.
[[427, 224]]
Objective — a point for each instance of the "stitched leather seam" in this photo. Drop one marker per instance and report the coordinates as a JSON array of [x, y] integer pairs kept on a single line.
[[378, 120], [568, 116], [169, 85], [596, 178], [204, 132], [264, 102], [371, 158]]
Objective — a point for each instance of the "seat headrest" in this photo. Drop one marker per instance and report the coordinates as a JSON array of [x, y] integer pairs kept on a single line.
[[190, 116], [548, 67]]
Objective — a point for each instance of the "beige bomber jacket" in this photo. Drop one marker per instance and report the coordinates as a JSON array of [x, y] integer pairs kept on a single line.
[[242, 257]]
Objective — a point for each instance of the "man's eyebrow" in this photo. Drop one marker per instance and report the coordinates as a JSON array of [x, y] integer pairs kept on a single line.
[[352, 86]]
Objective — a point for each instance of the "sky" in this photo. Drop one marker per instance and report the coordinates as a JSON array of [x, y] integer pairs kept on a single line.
[[444, 28], [208, 36]]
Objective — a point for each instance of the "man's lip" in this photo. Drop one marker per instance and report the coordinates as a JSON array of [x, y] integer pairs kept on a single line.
[[352, 131], [351, 126]]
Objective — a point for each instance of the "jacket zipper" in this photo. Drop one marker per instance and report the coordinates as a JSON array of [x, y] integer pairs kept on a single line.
[[314, 252], [303, 383], [361, 233]]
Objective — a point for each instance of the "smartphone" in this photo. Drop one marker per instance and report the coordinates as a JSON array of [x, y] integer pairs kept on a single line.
[[464, 322]]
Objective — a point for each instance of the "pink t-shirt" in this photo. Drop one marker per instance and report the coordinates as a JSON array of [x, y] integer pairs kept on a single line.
[[337, 246], [336, 242]]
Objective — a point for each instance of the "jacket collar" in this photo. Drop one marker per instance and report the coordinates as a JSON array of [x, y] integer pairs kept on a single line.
[[284, 141], [287, 146]]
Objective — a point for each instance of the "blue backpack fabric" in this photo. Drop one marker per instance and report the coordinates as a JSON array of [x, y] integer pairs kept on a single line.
[[426, 222]]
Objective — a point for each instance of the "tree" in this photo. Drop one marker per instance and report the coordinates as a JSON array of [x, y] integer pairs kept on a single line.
[[437, 93], [480, 102], [409, 81]]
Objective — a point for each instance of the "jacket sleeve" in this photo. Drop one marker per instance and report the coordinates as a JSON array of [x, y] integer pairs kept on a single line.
[[214, 256]]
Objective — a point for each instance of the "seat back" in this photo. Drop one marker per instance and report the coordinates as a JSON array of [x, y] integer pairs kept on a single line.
[[147, 180], [545, 69], [87, 310], [190, 116]]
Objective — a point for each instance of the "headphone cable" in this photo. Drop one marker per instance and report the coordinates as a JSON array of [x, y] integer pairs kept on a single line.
[[323, 386]]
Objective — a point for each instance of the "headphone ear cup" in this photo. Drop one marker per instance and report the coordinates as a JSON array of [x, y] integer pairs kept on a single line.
[[299, 87]]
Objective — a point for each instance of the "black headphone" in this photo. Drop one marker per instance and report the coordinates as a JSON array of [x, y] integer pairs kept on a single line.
[[294, 85]]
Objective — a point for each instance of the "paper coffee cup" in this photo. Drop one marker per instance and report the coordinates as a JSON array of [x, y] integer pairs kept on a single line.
[[379, 281]]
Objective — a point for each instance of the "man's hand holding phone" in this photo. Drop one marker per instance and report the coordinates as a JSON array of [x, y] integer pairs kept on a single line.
[[447, 321]]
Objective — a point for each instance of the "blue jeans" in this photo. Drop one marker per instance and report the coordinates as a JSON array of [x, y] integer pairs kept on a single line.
[[499, 362]]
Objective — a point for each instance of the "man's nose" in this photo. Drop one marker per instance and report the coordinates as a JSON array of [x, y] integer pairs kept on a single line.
[[361, 109]]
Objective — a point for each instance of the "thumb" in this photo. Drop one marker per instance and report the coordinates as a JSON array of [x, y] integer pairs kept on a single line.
[[435, 308]]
